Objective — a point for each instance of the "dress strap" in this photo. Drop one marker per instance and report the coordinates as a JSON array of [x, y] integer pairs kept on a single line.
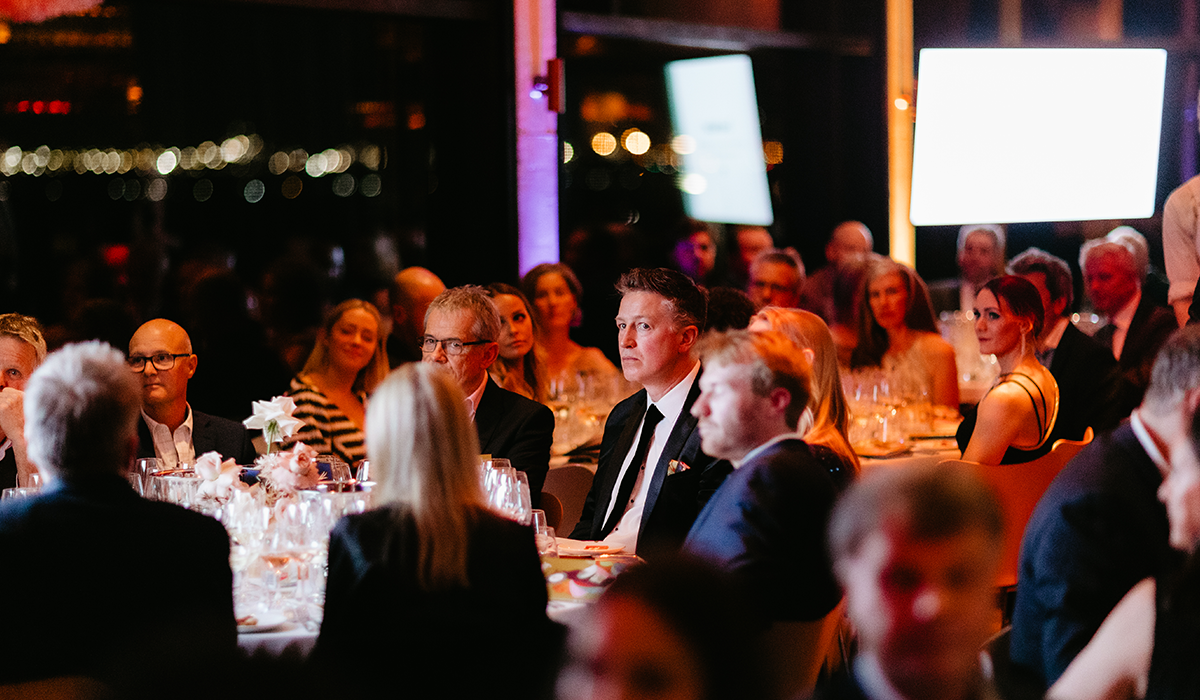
[[1040, 417]]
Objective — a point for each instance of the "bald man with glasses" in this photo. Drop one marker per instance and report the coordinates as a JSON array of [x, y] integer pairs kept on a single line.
[[160, 352]]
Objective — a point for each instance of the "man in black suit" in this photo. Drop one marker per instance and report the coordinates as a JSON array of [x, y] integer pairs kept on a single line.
[[1090, 389], [22, 349], [646, 497], [160, 352], [1113, 270], [81, 558], [1100, 527], [980, 258], [766, 523], [462, 327]]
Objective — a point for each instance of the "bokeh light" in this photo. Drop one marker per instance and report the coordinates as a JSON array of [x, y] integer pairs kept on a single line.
[[278, 163], [371, 186], [343, 185], [568, 152], [773, 152], [693, 183], [292, 187], [683, 145], [604, 143], [157, 190], [254, 191], [202, 191], [635, 141], [166, 162]]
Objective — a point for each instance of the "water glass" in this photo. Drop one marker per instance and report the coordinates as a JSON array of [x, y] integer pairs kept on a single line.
[[19, 492], [547, 543]]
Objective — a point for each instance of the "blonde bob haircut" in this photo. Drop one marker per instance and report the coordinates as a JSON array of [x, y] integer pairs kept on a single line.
[[424, 450], [368, 377], [831, 416], [773, 362]]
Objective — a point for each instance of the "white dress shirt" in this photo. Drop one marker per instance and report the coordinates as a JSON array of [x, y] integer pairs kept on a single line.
[[172, 448], [476, 396], [671, 407]]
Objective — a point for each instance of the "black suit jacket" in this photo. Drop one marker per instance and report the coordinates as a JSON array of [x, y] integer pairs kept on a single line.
[[84, 566], [209, 434], [1151, 326], [672, 502], [944, 295], [1089, 386], [517, 429], [766, 526], [1097, 531], [456, 641]]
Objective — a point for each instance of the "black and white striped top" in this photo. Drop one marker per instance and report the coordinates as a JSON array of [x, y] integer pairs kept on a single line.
[[326, 428]]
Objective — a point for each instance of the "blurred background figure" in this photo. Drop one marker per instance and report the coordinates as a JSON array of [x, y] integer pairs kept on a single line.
[[776, 278], [555, 292], [696, 253], [670, 630], [850, 240], [412, 290], [516, 369], [1013, 422], [917, 551], [345, 366], [748, 241], [464, 583], [728, 309], [826, 420], [1136, 327], [897, 333], [981, 256], [22, 349], [847, 298]]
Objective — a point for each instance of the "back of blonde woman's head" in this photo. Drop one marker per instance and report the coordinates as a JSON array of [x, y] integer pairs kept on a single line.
[[420, 440]]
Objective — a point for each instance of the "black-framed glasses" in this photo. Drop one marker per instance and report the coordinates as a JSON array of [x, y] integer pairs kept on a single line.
[[452, 346], [162, 361]]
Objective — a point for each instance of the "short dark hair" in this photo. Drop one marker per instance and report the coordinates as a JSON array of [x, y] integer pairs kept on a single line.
[[728, 309], [1059, 280], [687, 298], [931, 502], [1022, 298]]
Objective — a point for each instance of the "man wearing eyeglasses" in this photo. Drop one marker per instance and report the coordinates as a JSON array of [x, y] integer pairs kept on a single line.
[[462, 326], [22, 349], [161, 353]]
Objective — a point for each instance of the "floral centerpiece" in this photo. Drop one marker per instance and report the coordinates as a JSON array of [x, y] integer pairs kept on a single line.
[[220, 478], [284, 472]]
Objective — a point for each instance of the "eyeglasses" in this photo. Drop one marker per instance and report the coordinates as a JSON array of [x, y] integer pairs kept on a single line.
[[162, 361], [452, 346]]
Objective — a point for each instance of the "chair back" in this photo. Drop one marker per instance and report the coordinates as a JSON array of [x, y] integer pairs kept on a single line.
[[1019, 487], [554, 511], [570, 484], [794, 653]]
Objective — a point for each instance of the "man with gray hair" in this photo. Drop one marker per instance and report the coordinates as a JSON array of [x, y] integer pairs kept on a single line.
[[776, 278], [1113, 270], [462, 330], [1100, 527], [88, 525], [22, 349], [980, 258]]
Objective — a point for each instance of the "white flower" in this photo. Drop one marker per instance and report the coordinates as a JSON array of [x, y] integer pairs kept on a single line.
[[221, 479], [274, 418]]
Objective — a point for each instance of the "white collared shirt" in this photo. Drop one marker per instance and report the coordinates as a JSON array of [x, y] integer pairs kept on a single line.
[[172, 448], [966, 297], [1121, 321], [1147, 442], [671, 407], [474, 398], [752, 453]]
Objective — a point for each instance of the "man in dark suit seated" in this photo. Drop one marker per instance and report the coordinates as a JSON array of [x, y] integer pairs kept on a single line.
[[22, 349], [917, 550], [1100, 527], [646, 497], [766, 523], [1089, 386], [462, 328], [1113, 270], [83, 561], [160, 352]]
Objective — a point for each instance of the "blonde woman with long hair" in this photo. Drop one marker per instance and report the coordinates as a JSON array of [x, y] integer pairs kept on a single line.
[[430, 577], [826, 421]]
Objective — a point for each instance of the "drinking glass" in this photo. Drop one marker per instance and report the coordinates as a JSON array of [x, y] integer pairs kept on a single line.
[[547, 543], [19, 492], [363, 471]]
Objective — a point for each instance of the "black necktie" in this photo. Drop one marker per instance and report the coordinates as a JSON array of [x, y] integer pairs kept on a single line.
[[620, 504]]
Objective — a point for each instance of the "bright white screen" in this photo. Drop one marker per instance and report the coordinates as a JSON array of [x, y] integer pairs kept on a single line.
[[724, 177], [1011, 135]]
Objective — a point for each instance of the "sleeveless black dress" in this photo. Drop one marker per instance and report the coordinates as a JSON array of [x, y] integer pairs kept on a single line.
[[1014, 454]]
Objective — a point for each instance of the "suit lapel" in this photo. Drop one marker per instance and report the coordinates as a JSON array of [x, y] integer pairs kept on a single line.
[[486, 414], [680, 433], [619, 454], [202, 438]]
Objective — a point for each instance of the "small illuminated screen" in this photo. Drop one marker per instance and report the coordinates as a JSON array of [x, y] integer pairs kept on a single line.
[[1013, 135], [714, 112]]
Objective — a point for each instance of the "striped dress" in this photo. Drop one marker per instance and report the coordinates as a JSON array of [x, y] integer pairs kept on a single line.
[[326, 428]]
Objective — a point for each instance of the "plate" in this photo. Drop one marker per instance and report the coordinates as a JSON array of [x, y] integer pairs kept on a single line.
[[577, 548], [875, 448], [266, 622]]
